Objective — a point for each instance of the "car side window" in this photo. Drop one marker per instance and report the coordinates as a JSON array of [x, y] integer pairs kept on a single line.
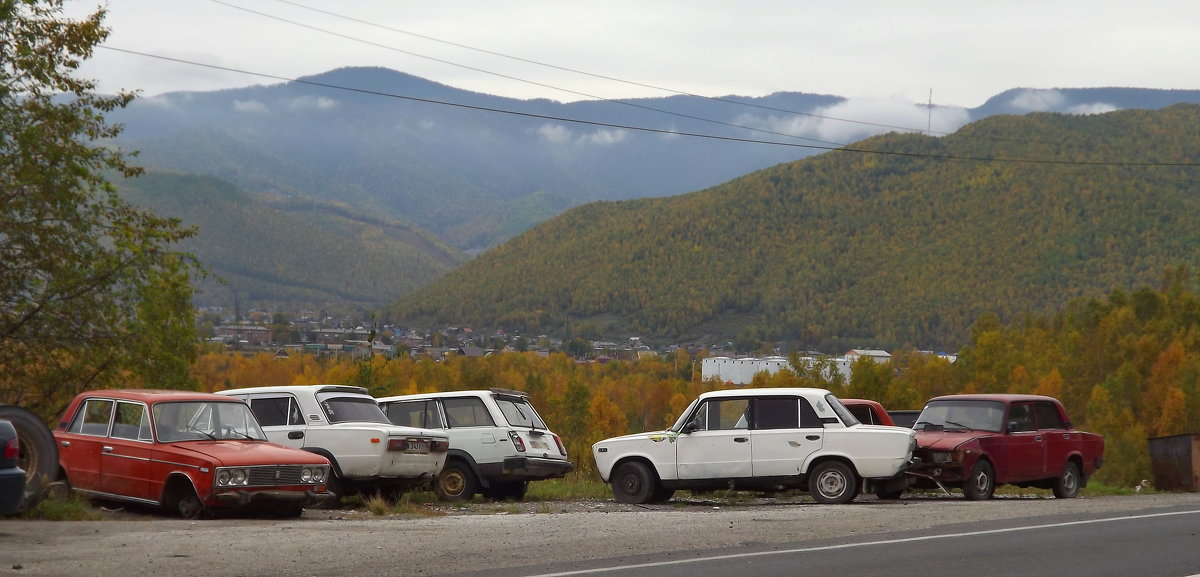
[[722, 415], [776, 413], [422, 414], [93, 418], [864, 414], [131, 422], [1020, 419], [467, 412], [274, 411], [1048, 416], [808, 416]]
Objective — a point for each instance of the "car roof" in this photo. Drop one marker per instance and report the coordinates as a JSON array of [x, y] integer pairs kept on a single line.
[[151, 396], [765, 392], [439, 394], [1003, 397], [295, 388]]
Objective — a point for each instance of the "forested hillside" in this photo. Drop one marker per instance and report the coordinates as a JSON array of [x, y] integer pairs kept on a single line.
[[302, 253], [907, 245]]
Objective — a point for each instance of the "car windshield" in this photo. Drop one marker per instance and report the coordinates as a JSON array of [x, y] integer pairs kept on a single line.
[[205, 421], [344, 409], [519, 413], [971, 415], [678, 426]]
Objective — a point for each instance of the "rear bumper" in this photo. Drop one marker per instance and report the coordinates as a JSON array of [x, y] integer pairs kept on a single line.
[[12, 490], [527, 468]]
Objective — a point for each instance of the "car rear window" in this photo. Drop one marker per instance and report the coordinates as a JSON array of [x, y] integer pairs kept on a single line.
[[353, 410], [519, 412]]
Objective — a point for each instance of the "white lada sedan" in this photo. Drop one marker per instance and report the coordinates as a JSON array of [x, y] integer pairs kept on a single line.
[[760, 439]]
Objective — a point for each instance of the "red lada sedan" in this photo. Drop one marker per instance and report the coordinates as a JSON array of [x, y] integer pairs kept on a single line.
[[185, 452]]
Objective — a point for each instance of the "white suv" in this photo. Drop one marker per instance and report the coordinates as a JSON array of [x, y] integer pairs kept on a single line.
[[498, 443], [346, 425], [764, 439]]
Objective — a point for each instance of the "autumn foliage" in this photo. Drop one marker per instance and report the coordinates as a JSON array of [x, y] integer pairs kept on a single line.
[[1126, 366]]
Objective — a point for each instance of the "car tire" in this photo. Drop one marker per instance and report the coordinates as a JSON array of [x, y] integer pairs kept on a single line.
[[180, 499], [663, 494], [456, 482], [39, 452], [982, 483], [1066, 486], [832, 483], [633, 482]]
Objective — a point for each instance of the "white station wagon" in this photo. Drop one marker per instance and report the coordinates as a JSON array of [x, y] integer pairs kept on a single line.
[[761, 439], [346, 425]]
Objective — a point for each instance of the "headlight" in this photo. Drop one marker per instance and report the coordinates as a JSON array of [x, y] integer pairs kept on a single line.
[[314, 475], [232, 477], [941, 457]]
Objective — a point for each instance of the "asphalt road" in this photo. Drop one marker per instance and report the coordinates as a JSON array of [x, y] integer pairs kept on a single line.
[[1151, 535]]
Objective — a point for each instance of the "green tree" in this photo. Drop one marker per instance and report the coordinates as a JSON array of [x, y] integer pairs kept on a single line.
[[90, 293]]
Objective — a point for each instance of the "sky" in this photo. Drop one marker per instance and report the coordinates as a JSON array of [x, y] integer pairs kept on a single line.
[[953, 53]]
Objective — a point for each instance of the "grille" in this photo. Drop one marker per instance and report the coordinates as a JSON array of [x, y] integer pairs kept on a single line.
[[280, 475]]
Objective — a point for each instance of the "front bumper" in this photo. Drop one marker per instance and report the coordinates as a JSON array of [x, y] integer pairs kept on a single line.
[[266, 498]]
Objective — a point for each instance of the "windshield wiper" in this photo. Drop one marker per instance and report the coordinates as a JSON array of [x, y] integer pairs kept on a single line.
[[959, 426]]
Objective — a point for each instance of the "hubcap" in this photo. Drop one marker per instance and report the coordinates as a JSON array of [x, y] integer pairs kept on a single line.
[[832, 484], [453, 483]]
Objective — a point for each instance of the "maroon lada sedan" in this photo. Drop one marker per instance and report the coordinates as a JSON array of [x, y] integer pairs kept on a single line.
[[185, 452]]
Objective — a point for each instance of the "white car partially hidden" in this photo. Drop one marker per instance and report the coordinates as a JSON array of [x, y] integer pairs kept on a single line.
[[760, 439], [346, 425]]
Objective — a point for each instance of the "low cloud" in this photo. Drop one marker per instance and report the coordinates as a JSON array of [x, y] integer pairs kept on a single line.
[[251, 106], [554, 133], [312, 103], [1049, 100], [607, 137], [857, 118]]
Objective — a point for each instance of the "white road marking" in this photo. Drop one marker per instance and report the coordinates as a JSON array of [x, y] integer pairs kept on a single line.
[[851, 545]]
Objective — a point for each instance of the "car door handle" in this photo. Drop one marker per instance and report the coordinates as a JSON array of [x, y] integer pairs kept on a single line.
[[813, 437], [1038, 438], [66, 443], [295, 434], [740, 439], [106, 449]]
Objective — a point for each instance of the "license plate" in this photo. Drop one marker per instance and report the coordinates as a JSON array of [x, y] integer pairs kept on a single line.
[[539, 445], [417, 446]]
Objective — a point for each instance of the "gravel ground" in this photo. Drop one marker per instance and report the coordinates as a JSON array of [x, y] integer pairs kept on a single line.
[[480, 536]]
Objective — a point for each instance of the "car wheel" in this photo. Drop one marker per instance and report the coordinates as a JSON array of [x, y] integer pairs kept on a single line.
[[39, 453], [183, 501], [663, 494], [1067, 484], [832, 483], [456, 482], [634, 482], [982, 482]]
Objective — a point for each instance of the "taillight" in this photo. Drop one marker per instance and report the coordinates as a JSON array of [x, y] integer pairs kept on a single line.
[[561, 448], [439, 447], [12, 449], [397, 445], [517, 442]]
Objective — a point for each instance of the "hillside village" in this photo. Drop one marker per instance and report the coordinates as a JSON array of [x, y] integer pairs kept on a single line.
[[329, 338]]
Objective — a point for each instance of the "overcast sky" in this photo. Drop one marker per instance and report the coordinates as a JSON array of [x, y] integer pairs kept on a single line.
[[964, 51]]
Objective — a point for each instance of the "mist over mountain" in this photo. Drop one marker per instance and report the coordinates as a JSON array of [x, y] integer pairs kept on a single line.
[[450, 162]]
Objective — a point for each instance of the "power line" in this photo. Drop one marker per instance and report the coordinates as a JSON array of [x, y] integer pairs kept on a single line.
[[651, 130], [497, 74], [591, 74]]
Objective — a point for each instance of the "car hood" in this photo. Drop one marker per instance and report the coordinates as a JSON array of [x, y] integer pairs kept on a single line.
[[948, 440], [655, 436], [230, 452]]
